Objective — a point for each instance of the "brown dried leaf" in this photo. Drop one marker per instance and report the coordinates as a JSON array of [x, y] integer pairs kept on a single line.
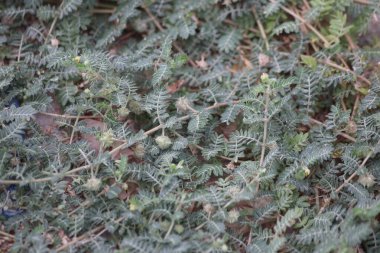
[[202, 63], [47, 123], [174, 87], [54, 42], [263, 60], [247, 63], [91, 139]]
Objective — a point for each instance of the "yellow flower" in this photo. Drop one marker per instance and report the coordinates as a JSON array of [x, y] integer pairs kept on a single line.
[[306, 171], [76, 59]]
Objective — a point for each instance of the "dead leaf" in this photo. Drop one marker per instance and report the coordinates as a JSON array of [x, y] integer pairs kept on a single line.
[[48, 123], [54, 42], [227, 130], [174, 87], [124, 152], [263, 60], [202, 63], [247, 63], [64, 238], [92, 141]]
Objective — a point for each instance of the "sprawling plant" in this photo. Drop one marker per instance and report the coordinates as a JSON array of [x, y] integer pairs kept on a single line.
[[189, 126]]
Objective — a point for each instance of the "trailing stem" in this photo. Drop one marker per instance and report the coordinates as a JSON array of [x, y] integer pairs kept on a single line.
[[266, 120]]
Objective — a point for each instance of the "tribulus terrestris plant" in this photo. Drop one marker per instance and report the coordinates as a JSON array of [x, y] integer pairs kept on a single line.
[[189, 126]]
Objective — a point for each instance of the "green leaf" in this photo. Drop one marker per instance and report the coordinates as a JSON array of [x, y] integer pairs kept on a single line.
[[310, 61], [229, 40], [161, 74], [66, 94]]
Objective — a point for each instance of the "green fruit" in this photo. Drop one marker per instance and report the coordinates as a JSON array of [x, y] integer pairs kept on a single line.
[[163, 142]]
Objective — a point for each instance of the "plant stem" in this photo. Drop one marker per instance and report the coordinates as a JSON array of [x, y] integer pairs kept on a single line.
[[20, 48], [334, 65], [156, 128], [266, 120], [73, 129], [355, 173], [65, 116], [45, 179], [161, 28], [312, 28], [261, 28], [7, 235]]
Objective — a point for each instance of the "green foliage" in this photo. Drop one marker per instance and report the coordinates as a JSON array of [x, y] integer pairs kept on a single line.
[[189, 126]]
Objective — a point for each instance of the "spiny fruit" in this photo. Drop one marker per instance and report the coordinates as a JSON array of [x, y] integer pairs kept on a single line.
[[163, 141]]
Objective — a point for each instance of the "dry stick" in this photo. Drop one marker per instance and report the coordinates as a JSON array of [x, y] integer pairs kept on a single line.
[[161, 28], [20, 47], [312, 28], [343, 61], [53, 24], [173, 220], [73, 130], [356, 106], [102, 11], [230, 22], [261, 28], [317, 198], [348, 137], [266, 120], [51, 29], [334, 65], [352, 44], [355, 173], [365, 2], [7, 235]]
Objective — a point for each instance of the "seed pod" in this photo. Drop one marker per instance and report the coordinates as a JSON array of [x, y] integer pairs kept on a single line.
[[124, 186], [179, 228], [123, 113], [182, 104], [367, 180], [134, 107], [208, 208], [139, 150], [163, 142], [233, 216], [93, 184], [107, 138], [224, 248], [351, 127]]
